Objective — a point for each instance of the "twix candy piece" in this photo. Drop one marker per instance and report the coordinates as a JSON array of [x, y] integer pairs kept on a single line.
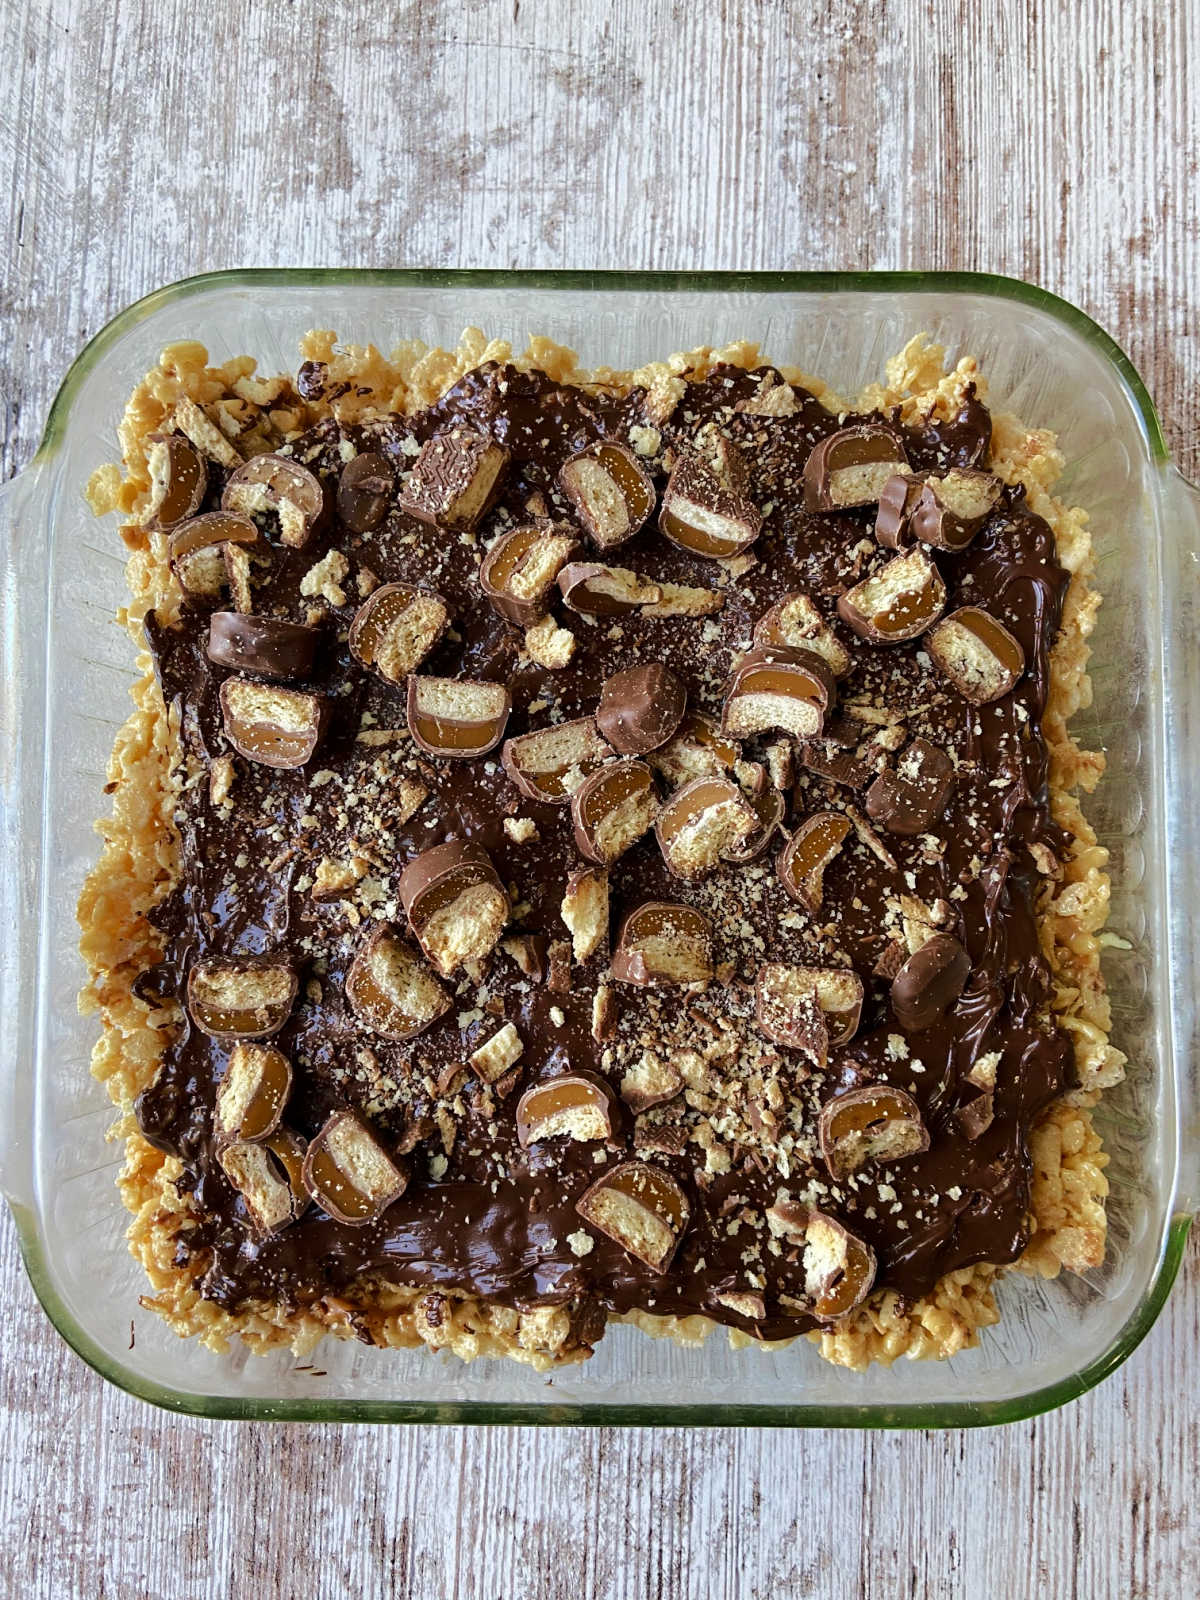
[[584, 909], [640, 1207], [275, 483], [612, 809], [396, 628], [977, 654], [770, 807], [700, 823], [839, 1267], [178, 479], [909, 798], [268, 646], [457, 718], [454, 479], [455, 903], [274, 726], [896, 501], [704, 515], [391, 990], [641, 708], [794, 623], [949, 509], [610, 490], [929, 983], [698, 749], [851, 466], [364, 491], [812, 1009], [900, 601], [598, 591], [241, 997], [349, 1173], [802, 862], [575, 1105], [549, 764], [869, 1126], [519, 571], [252, 1093], [788, 690], [663, 942], [196, 549], [263, 1178]]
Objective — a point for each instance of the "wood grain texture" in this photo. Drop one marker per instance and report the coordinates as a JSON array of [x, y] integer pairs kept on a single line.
[[141, 143]]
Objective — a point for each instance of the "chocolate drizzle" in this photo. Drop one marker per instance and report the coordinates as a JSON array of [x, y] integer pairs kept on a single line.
[[495, 1219]]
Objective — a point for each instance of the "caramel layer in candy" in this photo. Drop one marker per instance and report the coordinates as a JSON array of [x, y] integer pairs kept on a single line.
[[178, 479], [700, 822], [698, 750], [349, 1173], [702, 515], [662, 942], [457, 718], [910, 798], [612, 809], [390, 989], [455, 902], [948, 510], [794, 623], [273, 726], [869, 1126], [253, 1092], [929, 983], [597, 591], [641, 708], [396, 627], [898, 602], [275, 483], [808, 1008], [454, 479], [584, 909], [241, 997], [575, 1106], [518, 573], [263, 1179], [364, 491], [610, 490], [977, 653], [196, 549], [803, 860], [851, 467], [641, 1208], [266, 645], [788, 690], [549, 764], [838, 1267]]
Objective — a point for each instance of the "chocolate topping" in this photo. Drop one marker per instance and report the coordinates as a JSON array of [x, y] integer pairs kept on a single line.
[[490, 1216]]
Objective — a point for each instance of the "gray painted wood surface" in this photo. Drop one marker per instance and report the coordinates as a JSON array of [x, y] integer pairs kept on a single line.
[[144, 142]]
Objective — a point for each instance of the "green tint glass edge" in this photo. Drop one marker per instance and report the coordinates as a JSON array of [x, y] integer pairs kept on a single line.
[[924, 1415]]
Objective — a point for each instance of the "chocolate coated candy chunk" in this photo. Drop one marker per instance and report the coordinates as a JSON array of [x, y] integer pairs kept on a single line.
[[769, 807], [391, 990], [549, 764], [794, 623], [839, 1268], [612, 809], [977, 653], [584, 909], [275, 483], [698, 750], [455, 902], [519, 571], [851, 467], [807, 1008], [272, 726], [349, 1173], [196, 549], [949, 510], [457, 718], [700, 514], [454, 479], [802, 862], [661, 942], [396, 627], [896, 501], [700, 823], [977, 1116], [597, 591], [788, 690], [573, 1106], [911, 798], [610, 490], [178, 479], [641, 708], [253, 1093], [641, 1208], [869, 1126], [898, 602], [929, 983], [241, 997], [265, 645], [364, 491], [262, 1174]]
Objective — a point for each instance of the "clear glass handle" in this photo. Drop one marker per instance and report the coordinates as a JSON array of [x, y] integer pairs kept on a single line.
[[1181, 637]]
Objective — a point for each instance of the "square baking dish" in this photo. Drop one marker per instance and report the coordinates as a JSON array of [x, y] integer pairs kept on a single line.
[[67, 669]]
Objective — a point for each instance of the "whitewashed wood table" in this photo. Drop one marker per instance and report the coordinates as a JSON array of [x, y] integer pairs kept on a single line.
[[143, 143]]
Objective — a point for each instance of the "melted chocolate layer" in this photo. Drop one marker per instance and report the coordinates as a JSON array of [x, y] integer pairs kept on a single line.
[[482, 1215]]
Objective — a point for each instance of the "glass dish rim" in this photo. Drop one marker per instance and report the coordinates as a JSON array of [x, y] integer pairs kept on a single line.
[[924, 1414]]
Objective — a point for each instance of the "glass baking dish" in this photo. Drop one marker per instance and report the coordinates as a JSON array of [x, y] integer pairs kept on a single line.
[[67, 669]]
